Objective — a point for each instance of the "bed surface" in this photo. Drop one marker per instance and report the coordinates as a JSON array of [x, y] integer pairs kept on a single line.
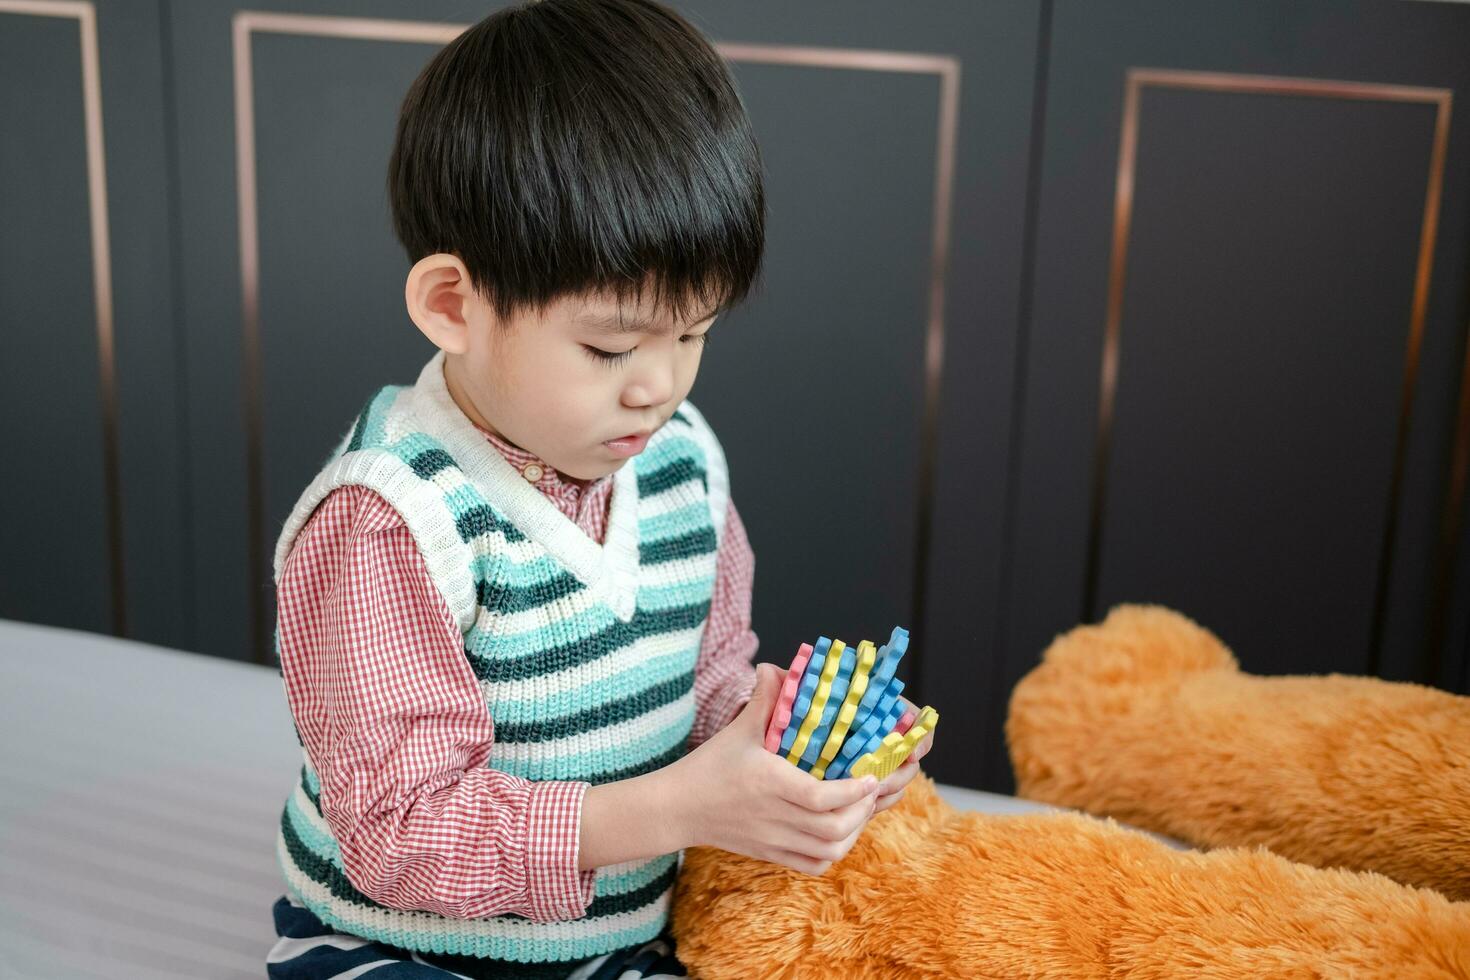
[[142, 790]]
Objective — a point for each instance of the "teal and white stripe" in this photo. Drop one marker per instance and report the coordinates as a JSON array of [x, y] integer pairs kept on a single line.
[[585, 653]]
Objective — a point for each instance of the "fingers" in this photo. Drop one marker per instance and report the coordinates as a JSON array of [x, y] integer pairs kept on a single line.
[[833, 825], [922, 749], [900, 777], [890, 791], [799, 862], [887, 802], [757, 711], [820, 850], [822, 795]]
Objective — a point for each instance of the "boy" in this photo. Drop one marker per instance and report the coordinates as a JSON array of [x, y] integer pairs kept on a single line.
[[514, 606]]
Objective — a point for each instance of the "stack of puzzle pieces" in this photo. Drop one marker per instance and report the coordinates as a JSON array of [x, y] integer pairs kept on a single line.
[[838, 713]]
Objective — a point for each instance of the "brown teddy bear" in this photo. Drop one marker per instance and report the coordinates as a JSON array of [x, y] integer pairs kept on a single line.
[[1144, 717]]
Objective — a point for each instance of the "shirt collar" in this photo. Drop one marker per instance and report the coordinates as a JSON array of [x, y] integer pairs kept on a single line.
[[545, 478]]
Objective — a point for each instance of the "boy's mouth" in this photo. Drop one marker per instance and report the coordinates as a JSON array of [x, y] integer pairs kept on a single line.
[[629, 445]]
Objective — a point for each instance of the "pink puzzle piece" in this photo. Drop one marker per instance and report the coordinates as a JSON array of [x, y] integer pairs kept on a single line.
[[782, 715]]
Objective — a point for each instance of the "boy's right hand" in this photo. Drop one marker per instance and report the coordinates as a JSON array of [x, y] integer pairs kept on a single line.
[[732, 793]]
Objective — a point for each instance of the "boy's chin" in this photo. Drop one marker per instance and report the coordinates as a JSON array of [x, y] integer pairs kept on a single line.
[[595, 471]]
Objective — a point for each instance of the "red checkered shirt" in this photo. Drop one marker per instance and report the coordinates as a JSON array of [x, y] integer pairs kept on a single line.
[[397, 728]]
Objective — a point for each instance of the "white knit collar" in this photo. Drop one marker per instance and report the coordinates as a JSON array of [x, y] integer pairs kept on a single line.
[[610, 567]]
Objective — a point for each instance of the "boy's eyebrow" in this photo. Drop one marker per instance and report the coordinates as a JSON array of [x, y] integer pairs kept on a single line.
[[614, 323]]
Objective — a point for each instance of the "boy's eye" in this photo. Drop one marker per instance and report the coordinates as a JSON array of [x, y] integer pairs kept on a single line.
[[610, 358], [614, 358]]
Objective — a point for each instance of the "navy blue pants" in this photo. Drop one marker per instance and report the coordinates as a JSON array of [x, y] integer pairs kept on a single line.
[[309, 949]]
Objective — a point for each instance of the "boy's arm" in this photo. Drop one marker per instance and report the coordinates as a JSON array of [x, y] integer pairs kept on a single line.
[[396, 726], [724, 676]]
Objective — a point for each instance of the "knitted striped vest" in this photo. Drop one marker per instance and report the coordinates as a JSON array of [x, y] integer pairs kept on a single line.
[[585, 653]]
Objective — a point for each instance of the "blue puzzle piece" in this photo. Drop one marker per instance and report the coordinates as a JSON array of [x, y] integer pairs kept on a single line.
[[803, 702], [882, 724], [883, 670], [884, 698], [878, 724], [840, 684]]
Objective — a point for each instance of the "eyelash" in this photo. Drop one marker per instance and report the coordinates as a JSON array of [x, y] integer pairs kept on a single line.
[[609, 359]]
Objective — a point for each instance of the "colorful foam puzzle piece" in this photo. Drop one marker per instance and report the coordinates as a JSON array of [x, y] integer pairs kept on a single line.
[[843, 724], [872, 762], [877, 726], [867, 655], [896, 748], [860, 743], [781, 717], [806, 687], [841, 684], [838, 711], [813, 717], [889, 654], [925, 723], [885, 713]]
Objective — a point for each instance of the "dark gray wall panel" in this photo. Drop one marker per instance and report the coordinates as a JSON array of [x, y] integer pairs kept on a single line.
[[1454, 672], [50, 354], [333, 325], [1264, 525], [817, 387], [54, 494], [1260, 366], [150, 388]]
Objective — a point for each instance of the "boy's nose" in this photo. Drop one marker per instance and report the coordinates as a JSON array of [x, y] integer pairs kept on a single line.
[[654, 386]]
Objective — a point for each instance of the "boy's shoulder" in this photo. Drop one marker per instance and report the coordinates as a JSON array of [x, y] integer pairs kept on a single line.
[[371, 424], [342, 520], [353, 491]]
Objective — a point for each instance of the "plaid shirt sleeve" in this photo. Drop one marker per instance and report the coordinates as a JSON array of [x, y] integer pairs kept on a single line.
[[724, 676], [397, 728]]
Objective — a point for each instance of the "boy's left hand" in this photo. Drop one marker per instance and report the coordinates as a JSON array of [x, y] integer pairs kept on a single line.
[[890, 790]]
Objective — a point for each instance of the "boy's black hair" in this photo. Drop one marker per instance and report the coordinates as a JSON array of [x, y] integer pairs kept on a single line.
[[566, 146]]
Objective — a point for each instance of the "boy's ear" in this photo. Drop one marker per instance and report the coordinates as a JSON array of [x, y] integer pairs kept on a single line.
[[441, 301]]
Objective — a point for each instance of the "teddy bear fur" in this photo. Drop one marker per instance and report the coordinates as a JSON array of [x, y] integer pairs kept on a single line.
[[929, 891], [1147, 717]]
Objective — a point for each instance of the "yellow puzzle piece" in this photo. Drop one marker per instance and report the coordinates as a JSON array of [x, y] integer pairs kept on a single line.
[[867, 655], [819, 701], [895, 748]]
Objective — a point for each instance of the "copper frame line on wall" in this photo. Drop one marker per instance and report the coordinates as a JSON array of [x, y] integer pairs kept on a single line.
[[86, 16], [246, 23], [1136, 79]]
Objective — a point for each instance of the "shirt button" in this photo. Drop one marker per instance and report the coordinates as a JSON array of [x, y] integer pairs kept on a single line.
[[533, 472]]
